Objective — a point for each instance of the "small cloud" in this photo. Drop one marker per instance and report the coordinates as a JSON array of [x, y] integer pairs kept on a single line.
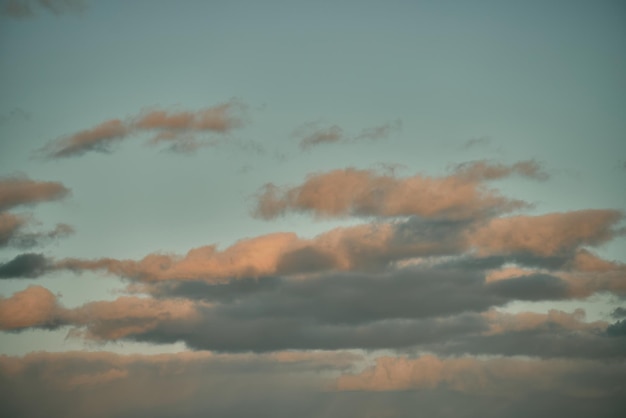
[[313, 134], [20, 190], [479, 142], [27, 265]]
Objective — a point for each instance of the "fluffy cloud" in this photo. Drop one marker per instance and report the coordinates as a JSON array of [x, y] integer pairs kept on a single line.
[[545, 235], [34, 307], [353, 192], [178, 129]]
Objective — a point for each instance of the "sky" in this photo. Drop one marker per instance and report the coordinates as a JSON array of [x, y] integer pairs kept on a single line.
[[322, 209]]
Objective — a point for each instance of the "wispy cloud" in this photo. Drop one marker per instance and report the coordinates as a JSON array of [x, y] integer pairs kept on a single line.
[[314, 134], [177, 128], [18, 191], [21, 191]]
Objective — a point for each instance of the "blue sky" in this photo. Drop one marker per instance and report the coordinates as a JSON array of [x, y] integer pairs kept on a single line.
[[413, 87]]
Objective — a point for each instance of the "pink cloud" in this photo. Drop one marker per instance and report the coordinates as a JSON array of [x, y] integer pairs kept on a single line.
[[353, 192], [545, 235], [492, 376], [167, 126], [16, 191], [34, 307]]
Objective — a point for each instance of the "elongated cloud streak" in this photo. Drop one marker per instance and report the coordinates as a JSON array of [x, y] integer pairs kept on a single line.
[[353, 192], [177, 128], [16, 191], [312, 134]]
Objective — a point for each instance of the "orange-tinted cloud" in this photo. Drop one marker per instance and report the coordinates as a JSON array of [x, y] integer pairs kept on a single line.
[[34, 307], [16, 191], [495, 376], [179, 128], [112, 320], [37, 307], [353, 192], [545, 235], [361, 247]]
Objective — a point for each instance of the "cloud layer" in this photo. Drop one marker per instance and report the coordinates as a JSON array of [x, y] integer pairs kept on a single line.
[[412, 299]]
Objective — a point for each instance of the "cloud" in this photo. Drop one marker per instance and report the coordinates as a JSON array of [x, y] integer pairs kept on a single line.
[[21, 191], [618, 329], [546, 235], [412, 307], [9, 226], [322, 136], [545, 268], [34, 307], [13, 232], [24, 265], [481, 141], [112, 320], [619, 313], [552, 321], [179, 129], [486, 170], [18, 191], [487, 377], [27, 8], [96, 384], [313, 134], [100, 384], [353, 192]]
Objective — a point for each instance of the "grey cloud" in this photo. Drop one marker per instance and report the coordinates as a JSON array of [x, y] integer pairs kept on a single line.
[[14, 233], [75, 385], [231, 334], [531, 288], [28, 265], [619, 313], [313, 134], [349, 298], [34, 239], [480, 141], [618, 329], [550, 341]]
